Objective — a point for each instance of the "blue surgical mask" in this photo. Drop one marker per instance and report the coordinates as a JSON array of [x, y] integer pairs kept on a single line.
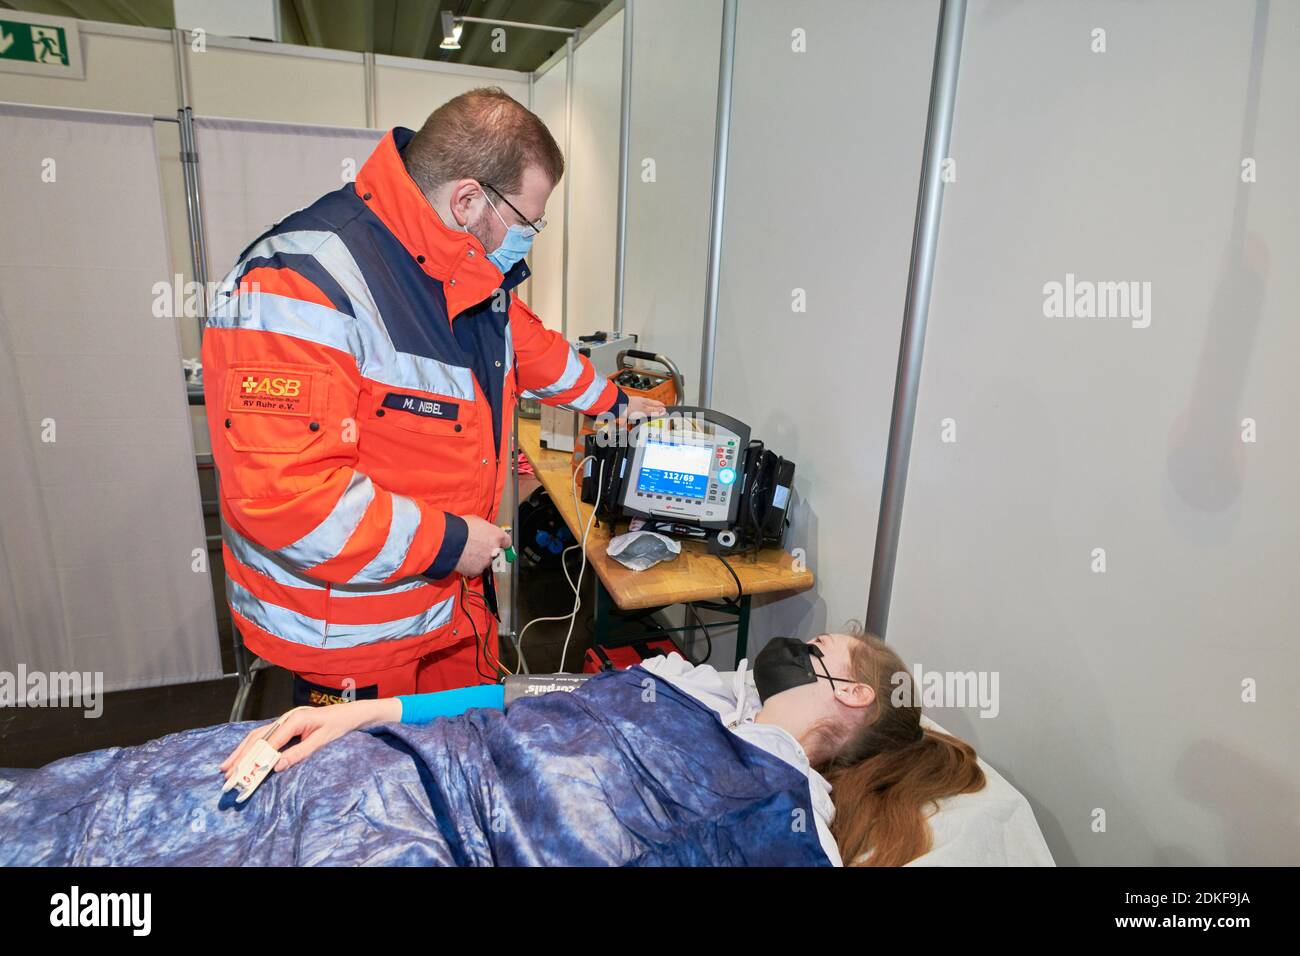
[[515, 245]]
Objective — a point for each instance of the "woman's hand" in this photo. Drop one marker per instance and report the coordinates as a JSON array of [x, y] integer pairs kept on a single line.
[[317, 726]]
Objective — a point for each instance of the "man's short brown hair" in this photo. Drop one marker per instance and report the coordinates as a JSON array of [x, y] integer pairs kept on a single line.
[[486, 135]]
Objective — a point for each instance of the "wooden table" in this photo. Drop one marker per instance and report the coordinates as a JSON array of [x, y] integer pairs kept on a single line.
[[693, 577]]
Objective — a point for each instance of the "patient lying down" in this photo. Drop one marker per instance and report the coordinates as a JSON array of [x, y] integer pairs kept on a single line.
[[823, 707]]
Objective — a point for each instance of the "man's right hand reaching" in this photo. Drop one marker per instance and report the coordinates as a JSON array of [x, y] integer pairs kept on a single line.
[[485, 541]]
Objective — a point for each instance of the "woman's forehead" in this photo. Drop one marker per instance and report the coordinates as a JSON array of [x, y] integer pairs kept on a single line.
[[837, 641]]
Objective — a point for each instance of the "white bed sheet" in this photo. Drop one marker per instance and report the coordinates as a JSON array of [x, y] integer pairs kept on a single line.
[[994, 826]]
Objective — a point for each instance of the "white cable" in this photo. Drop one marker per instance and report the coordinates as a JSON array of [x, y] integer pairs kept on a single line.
[[572, 616], [577, 589], [519, 644]]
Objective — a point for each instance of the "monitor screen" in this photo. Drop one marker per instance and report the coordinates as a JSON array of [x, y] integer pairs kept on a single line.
[[673, 468]]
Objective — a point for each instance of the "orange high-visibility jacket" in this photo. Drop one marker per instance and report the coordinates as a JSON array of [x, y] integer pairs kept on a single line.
[[349, 425]]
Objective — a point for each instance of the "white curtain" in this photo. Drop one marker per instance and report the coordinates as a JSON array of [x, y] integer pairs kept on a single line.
[[252, 174], [100, 519]]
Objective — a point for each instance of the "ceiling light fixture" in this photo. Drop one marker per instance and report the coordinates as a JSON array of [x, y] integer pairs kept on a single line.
[[451, 31]]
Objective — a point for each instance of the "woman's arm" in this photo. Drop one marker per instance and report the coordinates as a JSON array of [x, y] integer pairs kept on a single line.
[[317, 726]]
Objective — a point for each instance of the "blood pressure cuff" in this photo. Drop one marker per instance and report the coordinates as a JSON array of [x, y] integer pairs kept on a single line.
[[424, 708]]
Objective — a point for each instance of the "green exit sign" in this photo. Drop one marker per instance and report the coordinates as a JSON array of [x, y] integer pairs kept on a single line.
[[40, 45]]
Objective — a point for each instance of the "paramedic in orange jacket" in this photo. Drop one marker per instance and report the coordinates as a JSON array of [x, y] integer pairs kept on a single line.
[[361, 363]]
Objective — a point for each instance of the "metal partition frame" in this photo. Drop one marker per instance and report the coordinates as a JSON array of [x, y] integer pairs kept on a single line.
[[721, 138], [570, 68], [916, 310], [624, 145], [943, 94]]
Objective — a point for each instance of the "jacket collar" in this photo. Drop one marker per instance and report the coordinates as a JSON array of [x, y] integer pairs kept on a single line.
[[454, 258]]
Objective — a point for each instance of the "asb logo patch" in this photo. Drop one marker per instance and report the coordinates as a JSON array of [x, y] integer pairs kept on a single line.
[[270, 390]]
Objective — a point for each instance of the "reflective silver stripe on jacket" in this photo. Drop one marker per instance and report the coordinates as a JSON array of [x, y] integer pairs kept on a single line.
[[365, 337], [300, 629], [401, 532], [265, 561], [568, 378], [589, 397], [327, 539]]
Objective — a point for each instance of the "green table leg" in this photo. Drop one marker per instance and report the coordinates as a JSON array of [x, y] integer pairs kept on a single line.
[[742, 630], [604, 607]]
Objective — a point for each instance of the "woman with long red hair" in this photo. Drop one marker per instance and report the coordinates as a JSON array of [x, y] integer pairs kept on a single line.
[[860, 725], [838, 708]]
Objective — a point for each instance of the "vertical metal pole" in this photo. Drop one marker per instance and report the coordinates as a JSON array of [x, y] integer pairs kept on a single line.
[[721, 135], [920, 276], [189, 174], [569, 66], [514, 493], [368, 66], [198, 270], [182, 80], [520, 665], [191, 213], [532, 79], [624, 140], [201, 257]]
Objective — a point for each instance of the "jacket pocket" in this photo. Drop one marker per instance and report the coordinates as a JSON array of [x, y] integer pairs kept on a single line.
[[436, 416], [274, 407]]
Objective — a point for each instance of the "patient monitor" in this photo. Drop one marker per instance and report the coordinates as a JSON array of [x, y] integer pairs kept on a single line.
[[685, 468], [692, 472]]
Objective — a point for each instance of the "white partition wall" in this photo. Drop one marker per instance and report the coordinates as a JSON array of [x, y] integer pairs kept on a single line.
[[595, 179], [825, 161], [407, 91], [1161, 435], [547, 257], [674, 98], [102, 550], [127, 68], [133, 70], [254, 174], [674, 93], [250, 80]]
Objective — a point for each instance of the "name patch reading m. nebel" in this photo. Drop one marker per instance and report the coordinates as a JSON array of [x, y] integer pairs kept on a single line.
[[427, 407], [285, 393]]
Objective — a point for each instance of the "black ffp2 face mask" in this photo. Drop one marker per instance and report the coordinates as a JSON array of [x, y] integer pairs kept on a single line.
[[786, 662], [783, 663]]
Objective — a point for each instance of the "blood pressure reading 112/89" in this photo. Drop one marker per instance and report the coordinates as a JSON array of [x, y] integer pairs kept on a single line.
[[674, 468]]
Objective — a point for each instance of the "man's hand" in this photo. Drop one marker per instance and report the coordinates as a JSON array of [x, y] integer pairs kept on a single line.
[[640, 408], [484, 541]]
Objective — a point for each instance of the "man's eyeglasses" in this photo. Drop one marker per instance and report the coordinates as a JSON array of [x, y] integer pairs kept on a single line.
[[536, 225]]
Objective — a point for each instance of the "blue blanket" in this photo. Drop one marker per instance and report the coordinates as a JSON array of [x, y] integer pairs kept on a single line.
[[626, 770]]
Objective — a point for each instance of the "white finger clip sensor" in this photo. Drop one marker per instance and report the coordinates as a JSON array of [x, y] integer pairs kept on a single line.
[[252, 769]]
